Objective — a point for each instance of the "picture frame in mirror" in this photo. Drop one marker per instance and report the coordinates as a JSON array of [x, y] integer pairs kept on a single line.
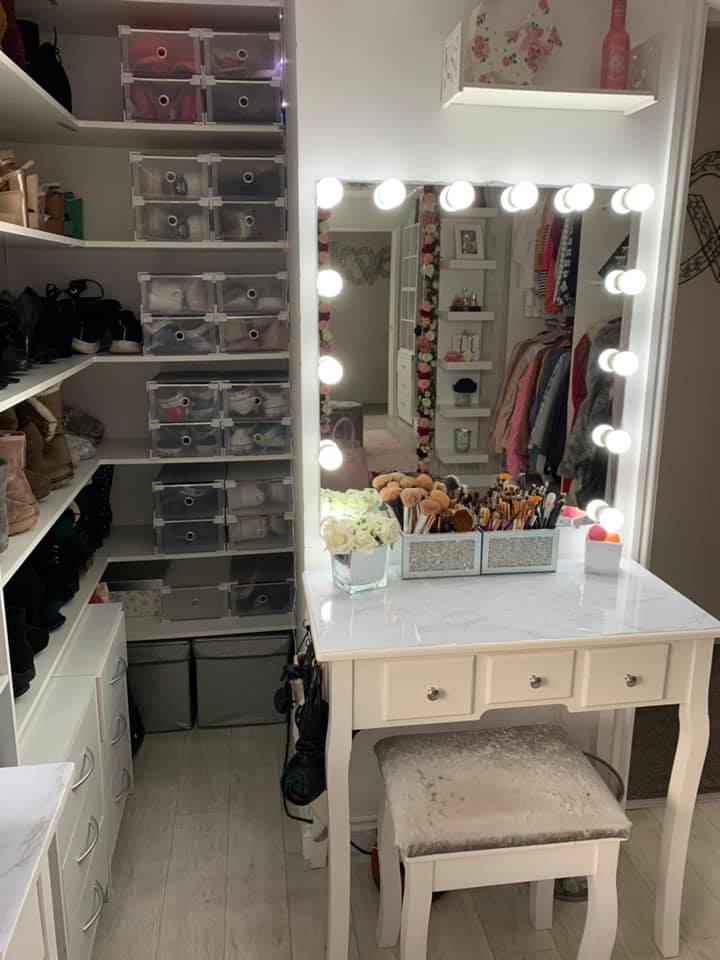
[[469, 240]]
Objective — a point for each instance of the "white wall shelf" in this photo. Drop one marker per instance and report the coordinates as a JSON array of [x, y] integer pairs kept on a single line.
[[22, 544], [153, 628], [468, 264], [471, 213], [47, 660], [137, 543], [466, 366], [464, 413], [24, 237], [626, 102], [137, 451], [42, 378], [468, 316], [189, 358], [473, 456]]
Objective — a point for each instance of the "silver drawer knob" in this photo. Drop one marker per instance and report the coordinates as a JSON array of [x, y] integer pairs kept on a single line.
[[631, 680], [433, 693], [535, 682]]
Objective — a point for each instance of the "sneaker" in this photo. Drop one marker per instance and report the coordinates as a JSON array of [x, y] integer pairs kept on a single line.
[[126, 331]]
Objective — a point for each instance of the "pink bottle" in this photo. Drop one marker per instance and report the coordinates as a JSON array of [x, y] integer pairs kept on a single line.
[[616, 50]]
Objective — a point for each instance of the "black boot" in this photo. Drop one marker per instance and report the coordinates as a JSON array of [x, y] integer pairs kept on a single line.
[[29, 590], [126, 332], [22, 661], [37, 638]]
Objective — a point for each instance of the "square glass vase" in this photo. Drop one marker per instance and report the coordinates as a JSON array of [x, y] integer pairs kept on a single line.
[[360, 570]]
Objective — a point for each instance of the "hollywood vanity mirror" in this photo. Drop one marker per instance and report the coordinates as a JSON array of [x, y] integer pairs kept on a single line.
[[467, 329]]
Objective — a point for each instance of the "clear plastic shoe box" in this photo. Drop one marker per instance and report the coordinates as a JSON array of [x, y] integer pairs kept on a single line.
[[260, 532], [170, 178], [190, 399], [258, 488], [186, 440], [162, 101], [241, 56], [189, 492], [160, 53], [243, 101], [256, 398], [179, 336], [239, 178], [245, 438], [177, 295], [195, 603], [184, 221], [189, 536], [254, 295], [245, 220], [258, 599], [253, 334]]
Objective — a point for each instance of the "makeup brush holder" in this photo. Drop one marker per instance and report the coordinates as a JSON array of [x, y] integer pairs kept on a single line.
[[520, 551], [440, 555]]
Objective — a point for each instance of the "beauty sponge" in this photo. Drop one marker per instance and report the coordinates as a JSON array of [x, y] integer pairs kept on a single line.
[[596, 532]]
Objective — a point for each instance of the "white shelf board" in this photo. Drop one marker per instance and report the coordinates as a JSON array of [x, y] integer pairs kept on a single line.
[[471, 213], [190, 358], [462, 366], [4, 684], [47, 660], [137, 451], [468, 264], [450, 412], [22, 544], [137, 543], [608, 101], [473, 456], [41, 378], [24, 237], [153, 628], [468, 316]]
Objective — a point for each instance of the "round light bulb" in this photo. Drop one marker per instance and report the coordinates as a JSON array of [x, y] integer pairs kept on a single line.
[[523, 196], [611, 282], [606, 360], [330, 371], [639, 198], [600, 434], [594, 507], [618, 441], [625, 363], [618, 202], [632, 282], [329, 193], [506, 200], [329, 283], [580, 197], [561, 201], [611, 519], [330, 455], [390, 194], [457, 196]]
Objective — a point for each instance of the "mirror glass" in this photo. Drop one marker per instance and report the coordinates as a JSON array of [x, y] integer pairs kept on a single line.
[[470, 341]]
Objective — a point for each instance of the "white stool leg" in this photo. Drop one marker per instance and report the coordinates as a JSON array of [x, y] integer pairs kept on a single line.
[[602, 910], [542, 894], [388, 926], [416, 910]]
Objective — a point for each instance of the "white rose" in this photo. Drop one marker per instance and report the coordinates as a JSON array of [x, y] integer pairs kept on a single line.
[[364, 540], [337, 536], [385, 529]]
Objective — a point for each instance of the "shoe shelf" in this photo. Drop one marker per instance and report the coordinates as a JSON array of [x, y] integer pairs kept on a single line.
[[41, 378], [153, 628], [137, 543], [465, 365], [137, 451], [22, 544], [473, 412], [48, 659], [27, 237], [190, 358], [472, 456]]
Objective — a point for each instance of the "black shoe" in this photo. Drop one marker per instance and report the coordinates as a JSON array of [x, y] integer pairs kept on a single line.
[[92, 316], [15, 346], [22, 660], [53, 333], [126, 332], [29, 589], [37, 638]]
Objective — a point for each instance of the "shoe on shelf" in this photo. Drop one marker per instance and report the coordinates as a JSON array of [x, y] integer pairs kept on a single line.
[[45, 411], [91, 316], [22, 507], [53, 334], [4, 531], [34, 469], [126, 332], [22, 659], [38, 638], [29, 590]]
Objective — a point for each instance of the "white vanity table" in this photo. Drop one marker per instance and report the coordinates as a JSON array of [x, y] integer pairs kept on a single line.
[[450, 650], [31, 802]]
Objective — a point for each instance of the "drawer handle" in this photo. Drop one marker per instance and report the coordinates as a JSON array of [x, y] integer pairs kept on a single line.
[[536, 682], [98, 892], [85, 774], [94, 830], [122, 727], [164, 100], [631, 680], [120, 671], [432, 693], [126, 790]]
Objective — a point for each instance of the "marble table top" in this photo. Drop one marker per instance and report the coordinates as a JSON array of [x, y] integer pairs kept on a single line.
[[569, 606], [31, 799]]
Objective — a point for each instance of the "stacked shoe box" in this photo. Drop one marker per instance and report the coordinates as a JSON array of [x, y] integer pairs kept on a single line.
[[198, 415], [209, 197], [201, 76]]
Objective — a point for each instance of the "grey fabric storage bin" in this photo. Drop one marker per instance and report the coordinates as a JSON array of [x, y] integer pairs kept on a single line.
[[236, 678], [160, 683]]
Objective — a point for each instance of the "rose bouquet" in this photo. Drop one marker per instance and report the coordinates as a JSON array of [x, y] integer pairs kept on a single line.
[[357, 531]]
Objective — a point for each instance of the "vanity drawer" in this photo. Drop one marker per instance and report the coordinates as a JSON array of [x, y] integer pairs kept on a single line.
[[427, 688], [82, 924], [89, 836], [119, 788], [632, 674], [85, 754], [112, 682], [520, 677]]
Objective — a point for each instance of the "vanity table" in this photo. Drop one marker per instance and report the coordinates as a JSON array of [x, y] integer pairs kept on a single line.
[[444, 651]]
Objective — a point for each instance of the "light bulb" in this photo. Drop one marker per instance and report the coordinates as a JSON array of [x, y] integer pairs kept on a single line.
[[561, 202], [523, 196], [330, 455], [330, 370], [577, 198], [611, 519], [635, 199], [594, 507], [329, 193], [390, 194], [622, 362], [457, 196], [618, 441], [600, 433], [329, 283], [630, 282]]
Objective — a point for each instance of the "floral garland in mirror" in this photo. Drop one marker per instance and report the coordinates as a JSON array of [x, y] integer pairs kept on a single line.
[[427, 327]]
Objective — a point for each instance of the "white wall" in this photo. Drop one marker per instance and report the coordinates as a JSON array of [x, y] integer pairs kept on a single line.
[[376, 113]]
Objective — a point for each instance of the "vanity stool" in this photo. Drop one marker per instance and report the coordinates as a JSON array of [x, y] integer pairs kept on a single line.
[[489, 807]]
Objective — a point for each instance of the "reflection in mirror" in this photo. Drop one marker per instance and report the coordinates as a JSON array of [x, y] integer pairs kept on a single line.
[[479, 340]]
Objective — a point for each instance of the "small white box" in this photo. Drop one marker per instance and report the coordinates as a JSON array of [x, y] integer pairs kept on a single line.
[[602, 557]]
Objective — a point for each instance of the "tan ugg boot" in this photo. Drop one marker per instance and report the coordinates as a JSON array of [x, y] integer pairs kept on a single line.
[[22, 506], [46, 412], [35, 470]]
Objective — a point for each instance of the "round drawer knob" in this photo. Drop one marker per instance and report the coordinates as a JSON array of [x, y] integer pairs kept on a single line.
[[631, 680], [535, 682], [433, 693]]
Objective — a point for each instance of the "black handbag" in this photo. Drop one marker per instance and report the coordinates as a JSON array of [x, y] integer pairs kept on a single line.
[[44, 64]]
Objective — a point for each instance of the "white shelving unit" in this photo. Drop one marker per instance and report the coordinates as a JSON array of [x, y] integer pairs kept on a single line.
[[137, 451], [465, 366], [454, 264], [153, 628], [468, 316], [464, 413], [625, 102], [27, 237], [129, 544], [472, 456]]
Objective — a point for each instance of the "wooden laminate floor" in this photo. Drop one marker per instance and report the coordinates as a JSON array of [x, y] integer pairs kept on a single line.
[[208, 868]]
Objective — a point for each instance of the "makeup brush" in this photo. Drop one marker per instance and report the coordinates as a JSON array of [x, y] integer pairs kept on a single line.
[[442, 498], [381, 480], [410, 497], [462, 520], [390, 496], [425, 481], [429, 509], [407, 482], [548, 507], [439, 485]]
